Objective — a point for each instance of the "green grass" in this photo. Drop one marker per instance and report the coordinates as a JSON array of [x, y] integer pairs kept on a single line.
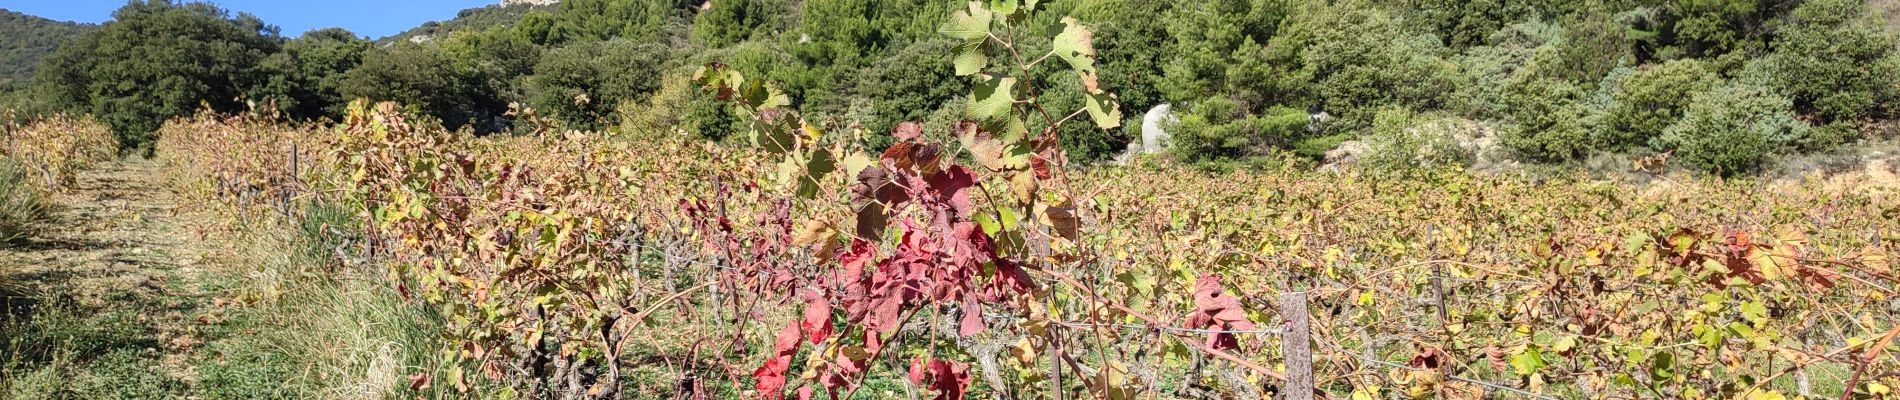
[[298, 325], [61, 351], [23, 207], [308, 326]]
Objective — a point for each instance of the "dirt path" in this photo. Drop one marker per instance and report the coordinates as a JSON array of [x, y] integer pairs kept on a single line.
[[122, 252]]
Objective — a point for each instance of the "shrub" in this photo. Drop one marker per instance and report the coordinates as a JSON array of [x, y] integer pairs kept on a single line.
[[1487, 71], [1648, 101], [23, 206], [664, 110], [1732, 129], [1834, 59], [1404, 140], [423, 77], [1829, 136], [1356, 59], [1547, 119], [904, 87], [1217, 129], [581, 84]]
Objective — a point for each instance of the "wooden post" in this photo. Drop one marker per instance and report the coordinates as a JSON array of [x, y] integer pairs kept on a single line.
[[1296, 345]]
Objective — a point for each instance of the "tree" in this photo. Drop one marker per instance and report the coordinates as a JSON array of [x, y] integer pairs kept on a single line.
[[1132, 46], [1465, 23], [1355, 58], [596, 20], [419, 76], [1208, 37], [581, 85], [133, 80], [495, 63], [904, 87], [1708, 28], [732, 21], [321, 58]]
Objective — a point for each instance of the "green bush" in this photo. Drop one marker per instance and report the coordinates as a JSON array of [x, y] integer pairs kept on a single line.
[[1403, 140], [1548, 119], [580, 85], [1648, 101], [23, 206], [1218, 129], [1834, 59], [665, 110], [1732, 129], [905, 87], [1356, 59], [1487, 72], [418, 76]]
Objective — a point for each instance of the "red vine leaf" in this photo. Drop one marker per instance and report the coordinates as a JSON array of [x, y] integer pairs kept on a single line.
[[972, 317], [771, 377], [908, 131], [1215, 310], [817, 322], [949, 379]]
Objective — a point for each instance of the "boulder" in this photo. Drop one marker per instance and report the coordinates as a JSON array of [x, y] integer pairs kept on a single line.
[[1154, 133]]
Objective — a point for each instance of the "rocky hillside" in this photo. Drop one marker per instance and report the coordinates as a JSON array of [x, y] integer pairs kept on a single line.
[[506, 13]]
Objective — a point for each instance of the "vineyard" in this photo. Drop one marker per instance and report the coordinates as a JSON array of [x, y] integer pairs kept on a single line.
[[979, 262]]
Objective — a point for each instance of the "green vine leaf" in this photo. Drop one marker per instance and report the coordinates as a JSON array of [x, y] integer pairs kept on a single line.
[[991, 97], [1005, 7], [973, 28], [1105, 109], [996, 155], [1076, 44], [1527, 362], [970, 58]]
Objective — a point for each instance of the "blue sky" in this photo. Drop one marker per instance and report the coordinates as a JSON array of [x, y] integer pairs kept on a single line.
[[372, 18]]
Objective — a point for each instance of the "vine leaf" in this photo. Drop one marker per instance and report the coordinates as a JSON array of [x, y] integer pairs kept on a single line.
[[1004, 7], [972, 27], [991, 97], [1215, 310], [992, 153], [817, 321], [1112, 382], [771, 376], [1076, 45], [949, 379], [972, 322], [1105, 109], [1062, 220], [1527, 362]]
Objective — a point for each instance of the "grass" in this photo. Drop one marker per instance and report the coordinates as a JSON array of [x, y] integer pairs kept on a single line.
[[290, 322], [24, 208], [309, 326], [60, 350]]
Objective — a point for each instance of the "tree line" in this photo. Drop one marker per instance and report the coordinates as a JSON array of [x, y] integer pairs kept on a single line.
[[1723, 85]]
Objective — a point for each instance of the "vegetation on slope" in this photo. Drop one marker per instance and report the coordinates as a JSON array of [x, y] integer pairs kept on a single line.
[[24, 40]]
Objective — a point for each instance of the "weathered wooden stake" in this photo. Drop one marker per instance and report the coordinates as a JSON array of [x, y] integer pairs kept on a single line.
[[1296, 345]]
